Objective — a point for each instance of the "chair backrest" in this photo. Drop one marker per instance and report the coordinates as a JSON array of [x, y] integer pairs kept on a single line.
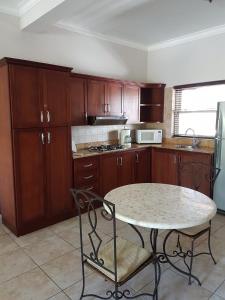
[[91, 223]]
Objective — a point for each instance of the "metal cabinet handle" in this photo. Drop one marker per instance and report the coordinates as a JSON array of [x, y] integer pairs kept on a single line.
[[137, 158], [48, 116], [42, 138], [121, 161], [88, 177], [117, 161], [88, 166], [105, 108], [90, 188], [42, 117], [108, 108], [49, 137], [175, 159]]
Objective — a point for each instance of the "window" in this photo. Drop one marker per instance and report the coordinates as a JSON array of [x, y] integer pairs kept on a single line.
[[195, 107]]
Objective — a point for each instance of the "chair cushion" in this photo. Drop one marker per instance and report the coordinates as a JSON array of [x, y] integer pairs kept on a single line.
[[129, 257]]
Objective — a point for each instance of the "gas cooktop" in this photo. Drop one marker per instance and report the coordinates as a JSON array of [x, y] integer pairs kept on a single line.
[[104, 148]]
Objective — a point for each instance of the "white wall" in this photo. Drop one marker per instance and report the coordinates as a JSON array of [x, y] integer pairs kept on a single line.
[[197, 61], [84, 54]]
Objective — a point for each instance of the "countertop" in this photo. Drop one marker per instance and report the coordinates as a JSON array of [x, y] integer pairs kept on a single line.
[[85, 153]]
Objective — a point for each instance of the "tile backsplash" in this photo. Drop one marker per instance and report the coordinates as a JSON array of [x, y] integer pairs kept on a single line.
[[90, 134]]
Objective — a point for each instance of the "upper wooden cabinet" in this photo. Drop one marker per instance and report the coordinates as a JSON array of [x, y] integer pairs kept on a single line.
[[114, 98], [78, 97], [131, 103], [95, 98], [54, 87], [27, 105], [39, 96]]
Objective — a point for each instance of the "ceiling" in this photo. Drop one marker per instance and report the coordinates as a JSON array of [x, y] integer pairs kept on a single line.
[[141, 24]]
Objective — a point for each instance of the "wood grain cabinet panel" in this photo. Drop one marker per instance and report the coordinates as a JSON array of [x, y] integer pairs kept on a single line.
[[131, 103], [27, 107], [164, 166], [142, 166], [125, 172], [58, 171], [55, 97], [77, 96], [96, 98], [114, 98], [29, 177]]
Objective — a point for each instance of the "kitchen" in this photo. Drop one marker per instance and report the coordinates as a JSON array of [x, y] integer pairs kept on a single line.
[[49, 110]]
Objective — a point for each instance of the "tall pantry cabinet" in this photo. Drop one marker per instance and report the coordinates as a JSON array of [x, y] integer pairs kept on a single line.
[[35, 160]]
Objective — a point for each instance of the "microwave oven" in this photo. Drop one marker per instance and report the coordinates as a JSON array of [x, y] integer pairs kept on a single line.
[[149, 136]]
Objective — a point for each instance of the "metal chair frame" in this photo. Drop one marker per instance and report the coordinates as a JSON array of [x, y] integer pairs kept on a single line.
[[86, 200]]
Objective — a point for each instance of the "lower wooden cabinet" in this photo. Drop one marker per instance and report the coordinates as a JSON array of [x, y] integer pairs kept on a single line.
[[188, 169], [43, 177], [164, 166], [142, 166]]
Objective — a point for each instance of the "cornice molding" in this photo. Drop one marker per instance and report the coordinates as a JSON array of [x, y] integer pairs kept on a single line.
[[26, 5], [9, 11], [213, 31], [107, 38]]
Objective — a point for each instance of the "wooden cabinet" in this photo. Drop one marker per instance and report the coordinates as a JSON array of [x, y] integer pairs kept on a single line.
[[116, 170], [188, 169], [78, 97], [131, 103], [152, 103], [195, 171], [95, 98], [142, 166], [30, 177], [114, 98], [27, 107], [55, 97], [58, 172], [36, 140], [164, 166]]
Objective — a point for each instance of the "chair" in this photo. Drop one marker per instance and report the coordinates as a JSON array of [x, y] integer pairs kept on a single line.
[[195, 174], [117, 259]]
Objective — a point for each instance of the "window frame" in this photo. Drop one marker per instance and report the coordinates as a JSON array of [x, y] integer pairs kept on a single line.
[[193, 85]]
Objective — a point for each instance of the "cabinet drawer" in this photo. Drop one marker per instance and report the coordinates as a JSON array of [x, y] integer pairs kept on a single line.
[[85, 164], [85, 177], [92, 187]]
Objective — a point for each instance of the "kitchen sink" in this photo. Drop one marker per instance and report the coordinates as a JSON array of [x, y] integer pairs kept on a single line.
[[188, 147]]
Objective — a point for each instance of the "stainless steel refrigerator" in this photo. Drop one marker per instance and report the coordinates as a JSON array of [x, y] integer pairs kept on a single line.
[[219, 185]]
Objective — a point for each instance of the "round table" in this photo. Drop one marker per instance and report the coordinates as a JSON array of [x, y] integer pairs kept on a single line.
[[161, 206]]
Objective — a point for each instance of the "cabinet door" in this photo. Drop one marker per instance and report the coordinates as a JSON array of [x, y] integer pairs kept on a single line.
[[59, 172], [131, 103], [77, 95], [195, 171], [142, 166], [108, 173], [55, 90], [29, 178], [126, 169], [96, 98], [164, 166], [114, 97], [27, 110]]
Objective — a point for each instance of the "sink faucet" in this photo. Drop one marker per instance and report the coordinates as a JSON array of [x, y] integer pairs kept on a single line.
[[195, 140]]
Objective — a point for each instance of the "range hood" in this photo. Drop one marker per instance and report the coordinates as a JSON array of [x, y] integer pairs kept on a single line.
[[107, 120]]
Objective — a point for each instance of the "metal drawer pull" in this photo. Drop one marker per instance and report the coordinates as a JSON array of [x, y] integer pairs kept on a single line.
[[49, 137], [48, 116], [42, 117], [88, 166], [137, 158], [90, 188], [42, 138], [88, 177]]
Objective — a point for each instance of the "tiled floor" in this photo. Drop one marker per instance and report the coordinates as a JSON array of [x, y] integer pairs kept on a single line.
[[46, 265]]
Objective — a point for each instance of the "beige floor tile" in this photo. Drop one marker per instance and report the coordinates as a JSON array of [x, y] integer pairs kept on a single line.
[[95, 284], [220, 233], [71, 236], [60, 296], [216, 297], [65, 225], [13, 264], [33, 285], [3, 229], [142, 279], [174, 287], [219, 218], [221, 290], [6, 244], [48, 249], [33, 237], [65, 270]]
